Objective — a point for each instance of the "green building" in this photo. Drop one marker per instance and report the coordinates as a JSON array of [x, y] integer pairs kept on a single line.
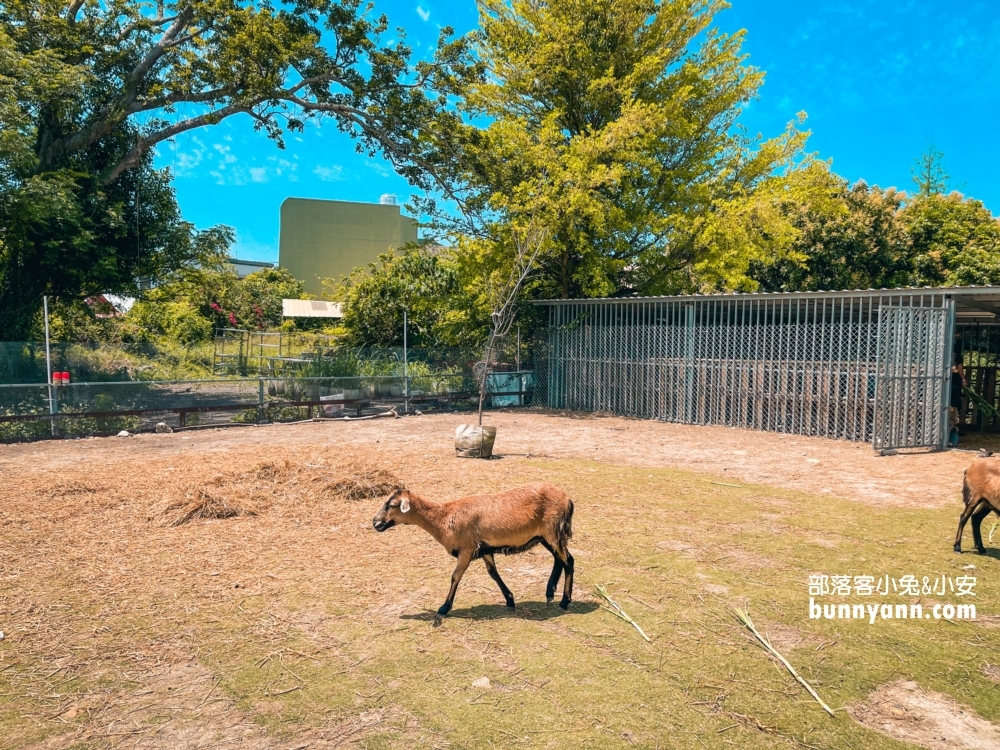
[[328, 239]]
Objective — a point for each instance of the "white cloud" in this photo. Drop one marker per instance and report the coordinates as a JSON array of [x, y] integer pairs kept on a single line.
[[424, 14], [226, 153], [258, 174], [378, 167], [185, 162], [329, 174]]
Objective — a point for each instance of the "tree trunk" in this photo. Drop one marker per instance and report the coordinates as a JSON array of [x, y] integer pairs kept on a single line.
[[485, 376]]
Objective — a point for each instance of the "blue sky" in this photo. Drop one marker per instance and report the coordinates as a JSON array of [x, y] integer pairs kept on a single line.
[[879, 80]]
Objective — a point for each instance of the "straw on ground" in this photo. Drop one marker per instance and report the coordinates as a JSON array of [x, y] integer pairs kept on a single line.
[[744, 617], [617, 611]]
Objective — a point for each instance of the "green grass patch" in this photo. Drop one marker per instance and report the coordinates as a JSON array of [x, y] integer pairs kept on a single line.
[[349, 635]]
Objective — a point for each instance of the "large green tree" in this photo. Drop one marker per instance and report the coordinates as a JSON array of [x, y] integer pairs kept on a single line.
[[954, 240], [614, 124], [421, 280], [851, 237], [89, 88]]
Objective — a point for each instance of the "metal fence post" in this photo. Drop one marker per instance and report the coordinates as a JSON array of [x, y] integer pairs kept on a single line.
[[689, 332], [406, 374], [260, 399], [48, 368], [949, 355]]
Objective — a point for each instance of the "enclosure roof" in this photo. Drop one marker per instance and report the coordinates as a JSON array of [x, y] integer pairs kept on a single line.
[[310, 308], [971, 302]]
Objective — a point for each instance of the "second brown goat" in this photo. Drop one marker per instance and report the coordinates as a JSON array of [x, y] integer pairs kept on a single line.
[[981, 493], [478, 526]]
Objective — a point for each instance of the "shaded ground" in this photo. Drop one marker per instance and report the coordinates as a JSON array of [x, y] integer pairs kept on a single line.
[[300, 627]]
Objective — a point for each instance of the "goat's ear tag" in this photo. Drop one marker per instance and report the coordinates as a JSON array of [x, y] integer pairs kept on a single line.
[[404, 505]]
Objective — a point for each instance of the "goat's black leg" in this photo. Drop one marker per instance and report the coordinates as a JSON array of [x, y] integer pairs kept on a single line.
[[491, 567], [977, 532], [557, 569], [567, 563], [550, 588], [969, 508], [464, 558]]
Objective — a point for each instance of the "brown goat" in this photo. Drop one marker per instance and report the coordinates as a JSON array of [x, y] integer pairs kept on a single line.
[[981, 493], [478, 526]]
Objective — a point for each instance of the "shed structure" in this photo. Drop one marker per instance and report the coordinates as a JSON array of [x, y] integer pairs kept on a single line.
[[865, 365]]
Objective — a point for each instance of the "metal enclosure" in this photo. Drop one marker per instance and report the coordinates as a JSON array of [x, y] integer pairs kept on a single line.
[[914, 364], [869, 366]]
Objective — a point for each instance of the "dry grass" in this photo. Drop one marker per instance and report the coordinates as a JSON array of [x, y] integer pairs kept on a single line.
[[206, 504], [301, 625], [251, 492], [359, 479]]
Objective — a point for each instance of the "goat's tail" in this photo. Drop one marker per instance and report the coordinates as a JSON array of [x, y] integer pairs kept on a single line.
[[967, 490], [565, 530]]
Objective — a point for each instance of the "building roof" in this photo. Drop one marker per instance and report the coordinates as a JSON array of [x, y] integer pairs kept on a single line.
[[258, 263], [310, 308], [973, 301]]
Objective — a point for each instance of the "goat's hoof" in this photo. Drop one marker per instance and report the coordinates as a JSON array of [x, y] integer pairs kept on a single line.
[[981, 550], [548, 599], [510, 604], [443, 611], [958, 548], [564, 604]]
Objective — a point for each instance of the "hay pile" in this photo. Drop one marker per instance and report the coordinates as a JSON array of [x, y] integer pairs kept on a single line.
[[206, 505], [244, 493], [251, 492], [359, 480]]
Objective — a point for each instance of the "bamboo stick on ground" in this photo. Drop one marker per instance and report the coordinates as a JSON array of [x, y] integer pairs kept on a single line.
[[744, 617], [617, 611]]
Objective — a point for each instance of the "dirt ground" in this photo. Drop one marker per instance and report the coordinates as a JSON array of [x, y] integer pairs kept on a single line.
[[814, 465], [128, 621]]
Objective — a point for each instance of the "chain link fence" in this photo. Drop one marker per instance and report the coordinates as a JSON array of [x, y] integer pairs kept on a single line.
[[809, 364], [338, 382]]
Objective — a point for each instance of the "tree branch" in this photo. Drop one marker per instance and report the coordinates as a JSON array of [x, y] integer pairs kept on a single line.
[[132, 158], [128, 30], [379, 135], [146, 105], [74, 8], [155, 53]]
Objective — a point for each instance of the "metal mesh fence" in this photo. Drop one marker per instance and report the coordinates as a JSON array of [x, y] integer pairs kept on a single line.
[[979, 349], [338, 382], [803, 364], [37, 410]]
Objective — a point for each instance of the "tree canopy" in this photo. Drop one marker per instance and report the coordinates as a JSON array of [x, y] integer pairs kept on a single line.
[[615, 124], [89, 88]]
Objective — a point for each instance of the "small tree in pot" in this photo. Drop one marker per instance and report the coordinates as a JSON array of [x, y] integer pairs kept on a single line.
[[502, 287]]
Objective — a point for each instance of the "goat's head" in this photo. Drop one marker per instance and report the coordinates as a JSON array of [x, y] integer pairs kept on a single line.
[[393, 511]]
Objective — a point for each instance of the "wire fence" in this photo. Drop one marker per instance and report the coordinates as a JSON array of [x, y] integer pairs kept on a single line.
[[238, 354], [805, 364], [31, 411], [979, 349], [110, 387]]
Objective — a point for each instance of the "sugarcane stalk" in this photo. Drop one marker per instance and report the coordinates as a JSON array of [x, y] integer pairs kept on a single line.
[[617, 611], [744, 617]]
